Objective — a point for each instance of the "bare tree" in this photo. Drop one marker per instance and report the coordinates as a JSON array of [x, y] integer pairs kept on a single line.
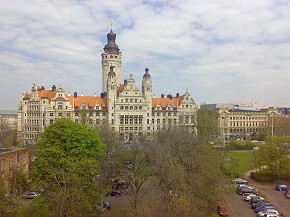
[[8, 135], [189, 171]]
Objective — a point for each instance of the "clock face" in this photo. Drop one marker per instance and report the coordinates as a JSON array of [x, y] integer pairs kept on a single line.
[[187, 98]]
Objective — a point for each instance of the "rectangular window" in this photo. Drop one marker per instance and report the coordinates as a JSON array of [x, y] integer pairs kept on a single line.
[[59, 114], [51, 114]]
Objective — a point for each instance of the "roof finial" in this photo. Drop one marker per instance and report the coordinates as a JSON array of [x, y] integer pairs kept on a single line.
[[111, 25]]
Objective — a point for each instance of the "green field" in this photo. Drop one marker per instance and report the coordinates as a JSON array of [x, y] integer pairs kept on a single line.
[[240, 161]]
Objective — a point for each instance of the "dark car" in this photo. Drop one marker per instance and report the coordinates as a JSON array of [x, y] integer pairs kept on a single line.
[[245, 191], [256, 200], [121, 184], [222, 211], [254, 205], [281, 187], [261, 208], [114, 194], [262, 205]]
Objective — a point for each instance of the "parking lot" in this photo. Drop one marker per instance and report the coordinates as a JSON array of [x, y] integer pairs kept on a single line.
[[237, 207]]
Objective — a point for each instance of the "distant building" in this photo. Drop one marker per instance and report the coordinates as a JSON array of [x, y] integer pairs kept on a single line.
[[13, 160], [131, 112], [233, 119], [8, 118]]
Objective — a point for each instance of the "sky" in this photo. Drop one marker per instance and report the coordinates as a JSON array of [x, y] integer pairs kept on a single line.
[[222, 51]]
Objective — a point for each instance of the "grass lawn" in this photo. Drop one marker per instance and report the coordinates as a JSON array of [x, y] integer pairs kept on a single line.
[[241, 161]]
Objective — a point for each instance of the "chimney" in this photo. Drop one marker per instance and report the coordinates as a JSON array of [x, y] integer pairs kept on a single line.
[[75, 94], [82, 94], [162, 95], [95, 94], [53, 88], [68, 94]]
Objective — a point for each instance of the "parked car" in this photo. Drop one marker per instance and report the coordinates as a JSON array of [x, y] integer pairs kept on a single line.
[[252, 195], [254, 205], [115, 193], [31, 195], [268, 213], [121, 184], [105, 205], [240, 181], [256, 199], [281, 187], [246, 191], [287, 191], [222, 211], [263, 207]]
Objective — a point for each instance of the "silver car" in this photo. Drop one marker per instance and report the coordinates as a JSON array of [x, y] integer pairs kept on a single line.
[[31, 195]]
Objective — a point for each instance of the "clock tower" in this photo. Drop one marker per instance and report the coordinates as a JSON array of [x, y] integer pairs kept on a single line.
[[111, 57]]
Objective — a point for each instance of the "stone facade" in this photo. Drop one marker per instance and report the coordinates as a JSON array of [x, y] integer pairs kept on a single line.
[[122, 106], [245, 121]]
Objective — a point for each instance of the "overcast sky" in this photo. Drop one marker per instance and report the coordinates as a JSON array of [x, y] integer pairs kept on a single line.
[[222, 51]]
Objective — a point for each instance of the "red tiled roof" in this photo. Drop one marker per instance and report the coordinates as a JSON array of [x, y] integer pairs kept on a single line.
[[175, 101], [89, 100], [48, 93]]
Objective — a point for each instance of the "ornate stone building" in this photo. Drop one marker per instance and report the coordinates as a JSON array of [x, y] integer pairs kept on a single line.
[[122, 106]]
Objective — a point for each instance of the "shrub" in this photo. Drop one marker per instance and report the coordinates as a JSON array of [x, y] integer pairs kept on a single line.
[[261, 176]]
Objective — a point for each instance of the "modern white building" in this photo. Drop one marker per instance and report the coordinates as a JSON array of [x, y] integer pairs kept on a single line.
[[132, 112]]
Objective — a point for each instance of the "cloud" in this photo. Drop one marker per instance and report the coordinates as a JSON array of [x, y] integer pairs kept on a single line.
[[220, 50]]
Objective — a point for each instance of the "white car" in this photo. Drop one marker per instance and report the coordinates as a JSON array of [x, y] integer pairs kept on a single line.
[[251, 195], [268, 213], [239, 181]]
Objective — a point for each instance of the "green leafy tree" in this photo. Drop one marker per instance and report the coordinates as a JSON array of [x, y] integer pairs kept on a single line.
[[67, 162], [207, 124], [11, 192], [274, 155], [84, 114]]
